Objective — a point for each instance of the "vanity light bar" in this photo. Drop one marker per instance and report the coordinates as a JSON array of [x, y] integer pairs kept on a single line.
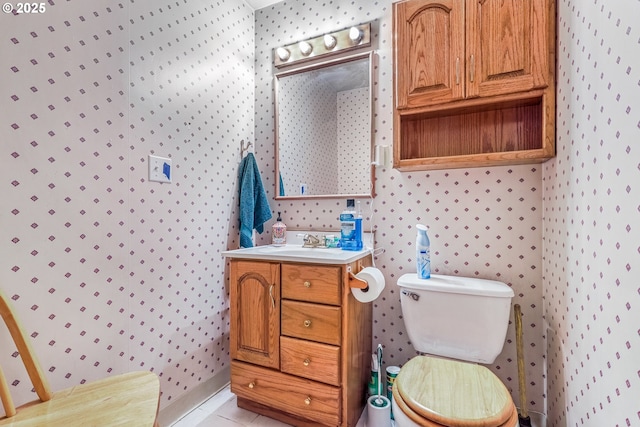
[[328, 44]]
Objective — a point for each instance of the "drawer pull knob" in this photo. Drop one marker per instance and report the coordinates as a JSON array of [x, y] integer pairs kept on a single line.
[[307, 284], [307, 323], [252, 385], [306, 362], [307, 401]]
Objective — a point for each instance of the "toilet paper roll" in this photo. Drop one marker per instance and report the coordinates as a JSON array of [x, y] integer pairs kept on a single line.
[[375, 281], [378, 412]]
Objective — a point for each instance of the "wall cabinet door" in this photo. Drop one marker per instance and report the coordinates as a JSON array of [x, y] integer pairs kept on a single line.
[[448, 50], [506, 44], [429, 52], [255, 312]]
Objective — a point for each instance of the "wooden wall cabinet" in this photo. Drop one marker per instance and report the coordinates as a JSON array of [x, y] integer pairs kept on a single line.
[[300, 342], [474, 82]]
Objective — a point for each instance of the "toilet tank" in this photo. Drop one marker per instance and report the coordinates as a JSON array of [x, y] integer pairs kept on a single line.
[[457, 317]]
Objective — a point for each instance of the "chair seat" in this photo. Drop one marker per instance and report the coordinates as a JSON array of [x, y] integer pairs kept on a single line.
[[129, 399]]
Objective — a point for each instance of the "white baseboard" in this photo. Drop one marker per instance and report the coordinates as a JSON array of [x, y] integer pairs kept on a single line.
[[193, 398]]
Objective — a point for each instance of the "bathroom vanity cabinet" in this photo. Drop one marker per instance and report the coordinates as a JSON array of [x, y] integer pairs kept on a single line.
[[300, 342], [473, 83]]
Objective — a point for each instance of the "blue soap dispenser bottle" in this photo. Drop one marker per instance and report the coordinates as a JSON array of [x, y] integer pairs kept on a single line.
[[423, 253]]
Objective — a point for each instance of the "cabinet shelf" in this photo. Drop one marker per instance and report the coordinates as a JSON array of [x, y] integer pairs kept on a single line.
[[512, 130]]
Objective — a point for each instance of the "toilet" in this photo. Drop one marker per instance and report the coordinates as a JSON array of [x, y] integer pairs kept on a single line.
[[456, 324]]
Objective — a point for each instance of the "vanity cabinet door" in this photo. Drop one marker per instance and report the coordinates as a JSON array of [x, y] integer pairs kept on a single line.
[[506, 46], [429, 52], [255, 312]]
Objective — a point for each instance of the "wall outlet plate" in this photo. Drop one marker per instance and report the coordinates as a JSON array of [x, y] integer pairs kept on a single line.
[[159, 169]]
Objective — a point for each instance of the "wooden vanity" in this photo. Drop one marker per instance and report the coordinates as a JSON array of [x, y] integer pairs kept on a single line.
[[300, 341]]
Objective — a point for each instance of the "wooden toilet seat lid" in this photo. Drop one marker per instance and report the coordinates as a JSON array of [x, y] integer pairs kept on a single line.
[[452, 393], [423, 422]]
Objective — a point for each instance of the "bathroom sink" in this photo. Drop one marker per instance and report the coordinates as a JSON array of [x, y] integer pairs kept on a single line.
[[298, 254]]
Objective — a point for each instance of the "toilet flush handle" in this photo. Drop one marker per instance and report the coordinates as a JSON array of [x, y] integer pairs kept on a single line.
[[411, 295]]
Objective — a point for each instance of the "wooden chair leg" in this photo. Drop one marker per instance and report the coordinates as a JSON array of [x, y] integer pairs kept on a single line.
[[5, 396]]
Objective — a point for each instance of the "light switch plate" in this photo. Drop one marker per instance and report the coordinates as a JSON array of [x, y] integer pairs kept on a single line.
[[160, 169]]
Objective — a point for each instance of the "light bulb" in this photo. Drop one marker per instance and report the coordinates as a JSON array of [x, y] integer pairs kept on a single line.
[[305, 48], [330, 42], [355, 34], [283, 53]]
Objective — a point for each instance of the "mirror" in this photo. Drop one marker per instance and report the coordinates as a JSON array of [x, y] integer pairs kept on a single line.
[[323, 126]]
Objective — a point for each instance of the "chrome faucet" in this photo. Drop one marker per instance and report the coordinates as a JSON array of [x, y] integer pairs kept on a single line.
[[311, 241]]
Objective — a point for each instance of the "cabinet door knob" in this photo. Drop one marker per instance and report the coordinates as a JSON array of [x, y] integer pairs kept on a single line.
[[307, 323], [307, 284], [252, 385], [306, 362], [307, 401]]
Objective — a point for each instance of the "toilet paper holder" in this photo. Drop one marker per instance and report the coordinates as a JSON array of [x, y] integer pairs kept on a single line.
[[356, 282]]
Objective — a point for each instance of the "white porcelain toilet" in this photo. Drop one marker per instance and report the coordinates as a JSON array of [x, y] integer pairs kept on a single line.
[[458, 323]]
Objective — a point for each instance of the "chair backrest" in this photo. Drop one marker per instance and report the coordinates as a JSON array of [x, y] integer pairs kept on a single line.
[[29, 359]]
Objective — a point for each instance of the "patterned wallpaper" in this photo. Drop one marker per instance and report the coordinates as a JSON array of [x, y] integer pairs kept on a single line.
[[111, 273], [591, 219], [108, 271]]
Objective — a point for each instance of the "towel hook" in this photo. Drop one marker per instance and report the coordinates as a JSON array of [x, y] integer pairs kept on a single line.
[[244, 149]]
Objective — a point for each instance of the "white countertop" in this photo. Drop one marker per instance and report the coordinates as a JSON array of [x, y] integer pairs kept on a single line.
[[296, 253]]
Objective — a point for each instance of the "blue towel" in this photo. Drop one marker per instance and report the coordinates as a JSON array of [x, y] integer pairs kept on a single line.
[[254, 205]]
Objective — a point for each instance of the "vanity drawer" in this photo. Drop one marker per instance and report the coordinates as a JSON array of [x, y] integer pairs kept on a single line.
[[311, 283], [293, 395], [320, 362], [313, 322]]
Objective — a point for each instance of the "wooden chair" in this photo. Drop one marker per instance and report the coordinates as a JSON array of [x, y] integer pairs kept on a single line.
[[123, 400]]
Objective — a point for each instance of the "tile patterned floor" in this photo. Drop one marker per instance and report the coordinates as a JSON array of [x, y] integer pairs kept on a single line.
[[221, 410]]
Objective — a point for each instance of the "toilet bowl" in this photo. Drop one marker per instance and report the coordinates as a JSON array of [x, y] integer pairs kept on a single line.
[[456, 323]]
